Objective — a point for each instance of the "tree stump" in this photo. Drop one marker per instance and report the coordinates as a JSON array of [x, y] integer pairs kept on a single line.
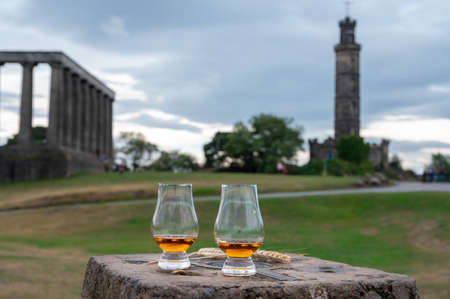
[[130, 276]]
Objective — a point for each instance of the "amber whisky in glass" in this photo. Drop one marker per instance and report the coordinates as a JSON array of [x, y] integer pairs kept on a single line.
[[238, 250], [239, 228], [174, 244], [174, 225]]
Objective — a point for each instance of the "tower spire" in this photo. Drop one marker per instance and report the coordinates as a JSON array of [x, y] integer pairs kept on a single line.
[[347, 8], [348, 5]]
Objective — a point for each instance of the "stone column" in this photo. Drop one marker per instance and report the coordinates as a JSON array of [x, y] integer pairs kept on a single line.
[[82, 114], [1, 64], [69, 109], [87, 117], [62, 127], [26, 105], [56, 104], [110, 131], [93, 120], [98, 149], [78, 114], [100, 122], [105, 100]]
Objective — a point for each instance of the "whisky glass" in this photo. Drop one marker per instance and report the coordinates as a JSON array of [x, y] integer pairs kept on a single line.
[[239, 228], [174, 225]]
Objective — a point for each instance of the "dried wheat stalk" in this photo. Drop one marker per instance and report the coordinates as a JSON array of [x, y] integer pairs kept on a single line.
[[273, 256], [260, 255]]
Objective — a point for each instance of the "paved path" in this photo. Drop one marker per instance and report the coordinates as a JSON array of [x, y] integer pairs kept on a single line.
[[399, 187]]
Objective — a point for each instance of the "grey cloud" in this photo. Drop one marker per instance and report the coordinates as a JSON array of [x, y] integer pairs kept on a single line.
[[270, 56], [409, 146], [234, 59], [149, 121]]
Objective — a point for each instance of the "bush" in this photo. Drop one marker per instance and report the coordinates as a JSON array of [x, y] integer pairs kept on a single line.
[[362, 168], [314, 167], [353, 149], [338, 167], [174, 161], [341, 167], [293, 169], [38, 133]]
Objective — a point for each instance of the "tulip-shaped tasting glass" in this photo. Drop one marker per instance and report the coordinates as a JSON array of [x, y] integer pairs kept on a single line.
[[239, 228], [174, 225]]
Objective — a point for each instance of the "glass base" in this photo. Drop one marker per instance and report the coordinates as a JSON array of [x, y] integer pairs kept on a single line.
[[239, 267], [174, 261]]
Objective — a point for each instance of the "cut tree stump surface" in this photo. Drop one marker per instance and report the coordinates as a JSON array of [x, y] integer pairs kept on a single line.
[[129, 276]]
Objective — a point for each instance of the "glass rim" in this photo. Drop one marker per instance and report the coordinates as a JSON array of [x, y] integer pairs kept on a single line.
[[174, 185], [239, 185]]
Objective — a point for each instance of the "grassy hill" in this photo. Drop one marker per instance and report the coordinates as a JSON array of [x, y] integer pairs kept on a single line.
[[43, 252], [113, 186]]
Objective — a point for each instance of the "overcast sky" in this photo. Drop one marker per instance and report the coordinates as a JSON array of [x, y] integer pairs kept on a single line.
[[184, 69]]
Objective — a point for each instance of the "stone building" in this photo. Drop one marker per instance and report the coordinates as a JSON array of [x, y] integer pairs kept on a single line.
[[347, 100], [322, 151], [79, 133]]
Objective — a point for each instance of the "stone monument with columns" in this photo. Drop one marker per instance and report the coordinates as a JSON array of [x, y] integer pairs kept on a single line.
[[79, 133]]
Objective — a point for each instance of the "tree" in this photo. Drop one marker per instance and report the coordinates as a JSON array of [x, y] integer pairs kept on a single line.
[[215, 150], [38, 133], [441, 165], [175, 161], [353, 149], [440, 162], [395, 163], [258, 147], [275, 139], [240, 148], [136, 148]]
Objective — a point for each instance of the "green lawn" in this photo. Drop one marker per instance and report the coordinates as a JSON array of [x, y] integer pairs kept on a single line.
[[112, 186], [397, 232]]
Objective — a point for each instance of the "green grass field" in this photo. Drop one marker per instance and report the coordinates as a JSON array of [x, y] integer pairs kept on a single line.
[[112, 186], [43, 252]]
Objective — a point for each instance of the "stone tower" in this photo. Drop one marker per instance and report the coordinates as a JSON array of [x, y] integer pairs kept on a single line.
[[346, 109], [347, 102]]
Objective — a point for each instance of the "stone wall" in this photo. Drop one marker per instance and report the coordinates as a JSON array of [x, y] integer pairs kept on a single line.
[[378, 156], [42, 162], [322, 151]]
